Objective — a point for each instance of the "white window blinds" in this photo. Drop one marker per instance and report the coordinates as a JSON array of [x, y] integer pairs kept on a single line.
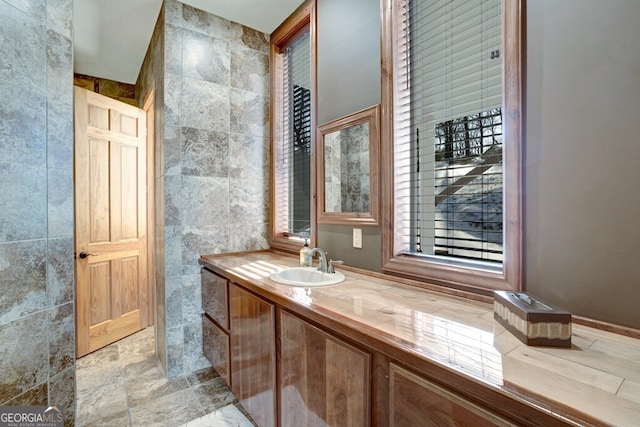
[[293, 157], [448, 132]]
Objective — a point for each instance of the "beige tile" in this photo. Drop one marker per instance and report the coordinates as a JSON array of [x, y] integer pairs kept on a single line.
[[607, 336], [619, 350], [152, 384], [99, 369], [562, 367], [610, 357], [137, 347], [464, 346], [570, 392], [101, 403], [169, 410], [362, 299], [503, 340], [630, 390], [352, 308], [202, 376], [214, 394], [226, 416], [124, 385], [119, 419], [469, 319], [580, 341]]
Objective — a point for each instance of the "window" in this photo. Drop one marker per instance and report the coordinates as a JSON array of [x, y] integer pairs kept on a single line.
[[453, 100], [467, 171], [292, 132]]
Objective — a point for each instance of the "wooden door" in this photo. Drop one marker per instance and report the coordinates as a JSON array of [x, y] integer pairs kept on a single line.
[[324, 381], [253, 354], [110, 209]]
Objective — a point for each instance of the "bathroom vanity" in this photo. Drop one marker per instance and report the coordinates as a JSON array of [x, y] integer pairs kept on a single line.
[[374, 351]]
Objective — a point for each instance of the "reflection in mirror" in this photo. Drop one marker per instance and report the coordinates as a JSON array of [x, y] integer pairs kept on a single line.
[[348, 168], [346, 159]]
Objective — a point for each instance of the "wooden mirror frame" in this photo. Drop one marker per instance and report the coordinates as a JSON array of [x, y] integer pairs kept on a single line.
[[371, 116], [459, 275]]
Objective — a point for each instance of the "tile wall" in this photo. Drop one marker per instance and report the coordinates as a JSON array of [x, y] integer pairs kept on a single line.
[[212, 179], [37, 328]]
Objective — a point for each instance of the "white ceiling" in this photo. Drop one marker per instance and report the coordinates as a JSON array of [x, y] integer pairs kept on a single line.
[[111, 37]]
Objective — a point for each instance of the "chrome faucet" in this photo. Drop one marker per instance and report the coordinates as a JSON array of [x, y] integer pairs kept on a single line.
[[322, 264], [332, 263]]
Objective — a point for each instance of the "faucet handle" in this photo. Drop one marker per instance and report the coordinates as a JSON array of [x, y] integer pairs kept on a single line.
[[330, 268]]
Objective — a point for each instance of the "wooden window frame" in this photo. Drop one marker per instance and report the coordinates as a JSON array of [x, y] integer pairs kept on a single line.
[[467, 277], [304, 17]]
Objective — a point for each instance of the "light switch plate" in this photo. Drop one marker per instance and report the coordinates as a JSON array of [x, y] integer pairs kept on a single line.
[[357, 238]]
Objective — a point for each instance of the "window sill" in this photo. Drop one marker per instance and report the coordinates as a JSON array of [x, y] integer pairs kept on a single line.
[[473, 279]]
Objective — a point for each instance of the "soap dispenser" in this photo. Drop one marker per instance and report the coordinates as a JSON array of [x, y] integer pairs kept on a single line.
[[303, 254]]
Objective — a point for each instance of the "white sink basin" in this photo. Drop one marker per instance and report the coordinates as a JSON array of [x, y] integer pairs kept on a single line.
[[306, 277]]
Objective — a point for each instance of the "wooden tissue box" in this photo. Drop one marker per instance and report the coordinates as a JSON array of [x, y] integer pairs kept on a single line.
[[532, 321]]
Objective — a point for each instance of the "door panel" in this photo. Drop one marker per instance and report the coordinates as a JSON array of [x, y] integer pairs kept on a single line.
[[253, 354], [324, 381], [111, 215], [98, 196], [129, 194], [99, 281]]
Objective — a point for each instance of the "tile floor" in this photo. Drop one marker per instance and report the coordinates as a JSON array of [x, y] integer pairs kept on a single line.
[[123, 385]]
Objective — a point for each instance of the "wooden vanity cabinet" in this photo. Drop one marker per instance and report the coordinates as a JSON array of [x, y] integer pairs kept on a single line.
[[417, 402], [324, 381], [321, 379], [253, 354], [215, 323]]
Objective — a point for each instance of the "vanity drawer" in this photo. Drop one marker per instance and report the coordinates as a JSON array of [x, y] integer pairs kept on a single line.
[[215, 297], [215, 343]]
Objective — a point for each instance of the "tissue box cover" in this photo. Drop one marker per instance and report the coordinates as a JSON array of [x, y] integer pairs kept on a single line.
[[531, 320]]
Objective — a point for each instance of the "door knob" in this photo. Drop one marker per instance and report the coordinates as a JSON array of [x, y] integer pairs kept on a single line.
[[84, 254]]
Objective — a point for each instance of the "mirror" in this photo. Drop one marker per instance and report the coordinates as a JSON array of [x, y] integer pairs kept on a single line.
[[346, 165], [348, 169]]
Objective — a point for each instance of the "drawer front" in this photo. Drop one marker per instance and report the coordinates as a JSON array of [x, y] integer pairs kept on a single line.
[[215, 343], [215, 297]]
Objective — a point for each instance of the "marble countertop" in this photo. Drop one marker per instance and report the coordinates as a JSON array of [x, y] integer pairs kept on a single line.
[[599, 376]]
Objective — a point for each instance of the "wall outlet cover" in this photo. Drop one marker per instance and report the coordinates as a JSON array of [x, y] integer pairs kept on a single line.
[[357, 238]]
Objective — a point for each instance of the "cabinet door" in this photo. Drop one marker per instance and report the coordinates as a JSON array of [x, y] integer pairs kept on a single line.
[[417, 402], [215, 343], [253, 354], [323, 380], [214, 297]]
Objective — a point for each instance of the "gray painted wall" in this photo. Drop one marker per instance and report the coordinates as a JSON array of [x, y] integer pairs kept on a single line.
[[37, 328], [337, 240], [348, 76], [582, 173], [583, 157], [348, 57]]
